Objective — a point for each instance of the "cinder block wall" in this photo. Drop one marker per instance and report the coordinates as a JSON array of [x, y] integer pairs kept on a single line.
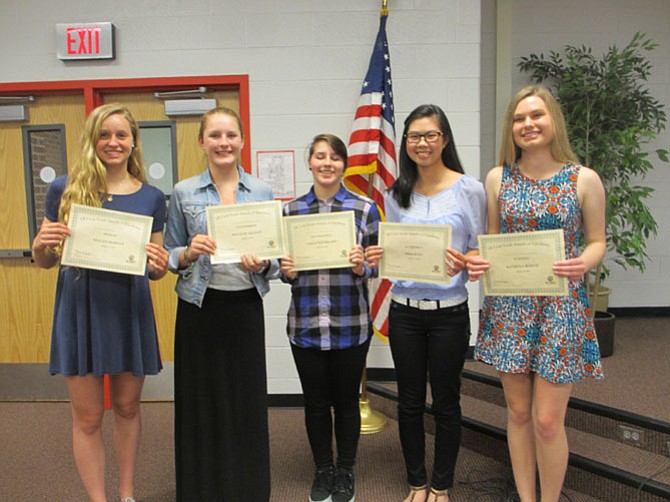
[[305, 59]]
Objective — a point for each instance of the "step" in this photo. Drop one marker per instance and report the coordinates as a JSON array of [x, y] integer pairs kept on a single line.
[[645, 433], [598, 466], [620, 462]]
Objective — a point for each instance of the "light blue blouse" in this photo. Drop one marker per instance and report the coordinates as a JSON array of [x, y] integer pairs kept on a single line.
[[463, 206]]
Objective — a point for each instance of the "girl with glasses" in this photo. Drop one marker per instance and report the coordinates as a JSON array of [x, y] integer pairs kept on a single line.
[[429, 324]]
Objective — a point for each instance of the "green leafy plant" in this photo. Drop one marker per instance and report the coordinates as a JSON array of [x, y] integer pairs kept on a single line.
[[611, 117]]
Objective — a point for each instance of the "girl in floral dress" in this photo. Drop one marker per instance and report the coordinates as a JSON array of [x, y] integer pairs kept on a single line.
[[541, 345]]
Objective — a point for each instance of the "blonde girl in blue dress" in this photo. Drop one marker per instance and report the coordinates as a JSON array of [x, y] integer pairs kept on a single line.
[[541, 345], [104, 321]]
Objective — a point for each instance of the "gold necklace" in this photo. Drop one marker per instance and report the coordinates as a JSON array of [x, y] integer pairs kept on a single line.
[[110, 197]]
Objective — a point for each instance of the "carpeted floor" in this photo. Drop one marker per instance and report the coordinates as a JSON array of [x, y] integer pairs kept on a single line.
[[36, 462]]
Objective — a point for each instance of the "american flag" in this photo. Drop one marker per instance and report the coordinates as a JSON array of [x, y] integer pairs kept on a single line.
[[372, 159]]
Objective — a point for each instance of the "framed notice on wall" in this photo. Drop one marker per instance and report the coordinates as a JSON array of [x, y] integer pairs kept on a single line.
[[277, 168]]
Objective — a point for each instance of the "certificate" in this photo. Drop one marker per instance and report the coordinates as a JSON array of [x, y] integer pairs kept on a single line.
[[252, 227], [319, 241], [414, 252], [107, 240], [521, 263]]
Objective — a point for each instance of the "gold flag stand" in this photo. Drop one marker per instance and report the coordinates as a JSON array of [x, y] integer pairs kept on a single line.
[[371, 420]]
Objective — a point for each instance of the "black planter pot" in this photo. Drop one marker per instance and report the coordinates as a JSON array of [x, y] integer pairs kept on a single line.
[[604, 323]]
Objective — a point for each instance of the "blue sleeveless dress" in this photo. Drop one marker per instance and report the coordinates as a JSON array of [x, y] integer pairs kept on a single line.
[[552, 336], [104, 321]]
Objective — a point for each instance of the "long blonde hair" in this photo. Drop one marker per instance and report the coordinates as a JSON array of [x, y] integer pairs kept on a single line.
[[560, 146], [87, 180]]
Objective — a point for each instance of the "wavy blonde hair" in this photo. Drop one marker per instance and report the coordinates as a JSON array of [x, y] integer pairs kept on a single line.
[[87, 180], [560, 146]]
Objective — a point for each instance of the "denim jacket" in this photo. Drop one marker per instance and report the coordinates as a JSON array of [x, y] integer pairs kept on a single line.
[[186, 218]]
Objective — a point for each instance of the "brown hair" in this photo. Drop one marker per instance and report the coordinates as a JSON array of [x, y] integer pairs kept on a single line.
[[335, 143]]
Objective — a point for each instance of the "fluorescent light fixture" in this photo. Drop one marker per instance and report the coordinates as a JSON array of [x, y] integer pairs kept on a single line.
[[13, 113], [188, 106]]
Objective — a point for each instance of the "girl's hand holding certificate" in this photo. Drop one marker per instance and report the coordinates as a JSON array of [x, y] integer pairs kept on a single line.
[[455, 261], [373, 254], [574, 269], [157, 260], [357, 259], [476, 266]]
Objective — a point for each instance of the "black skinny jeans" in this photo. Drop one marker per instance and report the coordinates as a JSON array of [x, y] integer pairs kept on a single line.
[[434, 343], [332, 379]]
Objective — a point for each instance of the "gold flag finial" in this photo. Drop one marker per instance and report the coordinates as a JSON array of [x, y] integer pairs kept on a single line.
[[384, 11]]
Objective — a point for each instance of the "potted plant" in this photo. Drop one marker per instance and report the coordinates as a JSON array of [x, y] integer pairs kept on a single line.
[[611, 117]]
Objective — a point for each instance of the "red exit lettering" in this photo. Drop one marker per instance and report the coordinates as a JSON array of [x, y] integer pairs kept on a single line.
[[83, 40]]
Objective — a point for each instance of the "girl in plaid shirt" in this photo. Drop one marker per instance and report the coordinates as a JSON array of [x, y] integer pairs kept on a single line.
[[329, 325]]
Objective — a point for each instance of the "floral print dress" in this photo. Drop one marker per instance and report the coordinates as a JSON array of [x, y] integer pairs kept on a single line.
[[552, 336]]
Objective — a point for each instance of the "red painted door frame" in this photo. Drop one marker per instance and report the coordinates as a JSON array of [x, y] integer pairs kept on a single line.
[[94, 90]]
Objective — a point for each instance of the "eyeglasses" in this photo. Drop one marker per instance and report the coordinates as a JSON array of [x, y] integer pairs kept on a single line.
[[430, 136]]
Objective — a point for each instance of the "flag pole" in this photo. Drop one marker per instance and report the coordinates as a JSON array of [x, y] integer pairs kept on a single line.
[[371, 421]]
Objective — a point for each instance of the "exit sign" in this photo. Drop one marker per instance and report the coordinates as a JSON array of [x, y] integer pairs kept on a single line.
[[85, 40]]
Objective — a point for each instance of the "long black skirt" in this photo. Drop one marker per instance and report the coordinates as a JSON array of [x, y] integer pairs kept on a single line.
[[222, 448]]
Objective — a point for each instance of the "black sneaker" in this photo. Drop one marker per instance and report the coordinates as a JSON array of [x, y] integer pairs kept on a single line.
[[343, 485], [322, 485]]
